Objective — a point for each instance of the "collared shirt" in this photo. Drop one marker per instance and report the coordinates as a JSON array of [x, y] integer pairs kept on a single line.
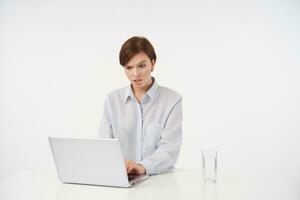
[[150, 132]]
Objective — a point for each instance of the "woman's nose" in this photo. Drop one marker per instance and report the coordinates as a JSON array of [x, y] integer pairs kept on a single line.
[[136, 72]]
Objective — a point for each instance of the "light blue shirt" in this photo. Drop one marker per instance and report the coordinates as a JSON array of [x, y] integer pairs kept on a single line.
[[150, 132]]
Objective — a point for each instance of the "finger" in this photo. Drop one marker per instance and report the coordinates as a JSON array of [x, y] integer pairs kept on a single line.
[[130, 169], [133, 168], [129, 162], [137, 169], [128, 166]]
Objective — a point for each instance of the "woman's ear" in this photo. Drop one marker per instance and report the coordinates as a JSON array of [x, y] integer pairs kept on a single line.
[[153, 63]]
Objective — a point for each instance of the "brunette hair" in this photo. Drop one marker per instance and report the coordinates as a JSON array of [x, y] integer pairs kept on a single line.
[[133, 46]]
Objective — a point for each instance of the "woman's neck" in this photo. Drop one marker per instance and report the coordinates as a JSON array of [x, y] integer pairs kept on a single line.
[[139, 92]]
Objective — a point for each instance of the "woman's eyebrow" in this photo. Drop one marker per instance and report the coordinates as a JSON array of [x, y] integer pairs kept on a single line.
[[142, 62], [137, 64]]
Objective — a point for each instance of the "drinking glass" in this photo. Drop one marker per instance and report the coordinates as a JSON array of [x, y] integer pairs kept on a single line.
[[209, 165]]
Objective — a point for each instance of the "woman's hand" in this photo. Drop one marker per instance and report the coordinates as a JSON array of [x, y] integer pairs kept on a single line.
[[134, 168]]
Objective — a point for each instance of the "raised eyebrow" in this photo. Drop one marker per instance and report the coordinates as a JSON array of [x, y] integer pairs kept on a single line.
[[142, 62]]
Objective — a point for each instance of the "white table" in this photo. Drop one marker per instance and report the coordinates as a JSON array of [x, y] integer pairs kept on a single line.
[[180, 184]]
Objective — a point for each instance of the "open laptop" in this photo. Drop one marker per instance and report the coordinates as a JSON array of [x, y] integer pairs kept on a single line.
[[95, 161]]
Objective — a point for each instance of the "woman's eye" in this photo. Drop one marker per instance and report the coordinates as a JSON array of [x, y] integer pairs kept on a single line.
[[143, 65], [128, 68]]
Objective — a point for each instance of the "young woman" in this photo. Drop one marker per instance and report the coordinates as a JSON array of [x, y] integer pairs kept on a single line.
[[145, 116]]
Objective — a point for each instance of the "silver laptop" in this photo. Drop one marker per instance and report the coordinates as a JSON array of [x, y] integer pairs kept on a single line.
[[95, 161]]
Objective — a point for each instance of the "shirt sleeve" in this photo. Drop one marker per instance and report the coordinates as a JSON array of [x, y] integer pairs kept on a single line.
[[105, 130], [166, 155]]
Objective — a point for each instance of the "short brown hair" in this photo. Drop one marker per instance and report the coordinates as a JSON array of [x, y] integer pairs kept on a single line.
[[133, 46]]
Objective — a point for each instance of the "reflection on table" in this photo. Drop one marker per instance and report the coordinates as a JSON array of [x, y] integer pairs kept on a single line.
[[176, 185]]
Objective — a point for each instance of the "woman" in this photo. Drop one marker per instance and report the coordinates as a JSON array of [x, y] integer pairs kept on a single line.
[[144, 116]]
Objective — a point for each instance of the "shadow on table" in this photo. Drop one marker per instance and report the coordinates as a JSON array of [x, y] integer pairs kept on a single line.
[[155, 187], [162, 186]]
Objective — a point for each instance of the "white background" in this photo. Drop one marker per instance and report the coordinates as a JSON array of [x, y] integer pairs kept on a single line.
[[236, 64]]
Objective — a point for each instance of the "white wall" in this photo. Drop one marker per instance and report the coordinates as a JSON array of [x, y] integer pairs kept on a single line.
[[235, 63]]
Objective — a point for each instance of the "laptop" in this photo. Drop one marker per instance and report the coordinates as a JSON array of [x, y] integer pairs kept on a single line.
[[93, 161]]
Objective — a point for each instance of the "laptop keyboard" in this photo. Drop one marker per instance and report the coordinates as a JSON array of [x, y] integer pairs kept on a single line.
[[133, 176]]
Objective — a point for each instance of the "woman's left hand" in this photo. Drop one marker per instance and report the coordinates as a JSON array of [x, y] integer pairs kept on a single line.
[[134, 168]]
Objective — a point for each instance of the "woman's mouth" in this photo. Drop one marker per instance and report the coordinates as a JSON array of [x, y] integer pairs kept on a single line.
[[137, 81]]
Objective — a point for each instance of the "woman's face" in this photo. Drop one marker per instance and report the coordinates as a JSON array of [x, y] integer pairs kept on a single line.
[[138, 70]]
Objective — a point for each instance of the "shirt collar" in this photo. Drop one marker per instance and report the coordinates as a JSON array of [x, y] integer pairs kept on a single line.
[[151, 92], [128, 93]]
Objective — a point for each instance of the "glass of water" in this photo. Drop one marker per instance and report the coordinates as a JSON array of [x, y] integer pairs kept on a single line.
[[209, 165]]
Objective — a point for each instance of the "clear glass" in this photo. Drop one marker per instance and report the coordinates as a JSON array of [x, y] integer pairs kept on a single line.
[[209, 165]]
